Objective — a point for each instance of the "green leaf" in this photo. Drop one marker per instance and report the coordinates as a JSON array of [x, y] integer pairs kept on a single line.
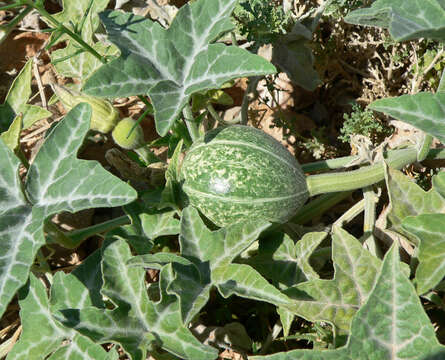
[[170, 65], [160, 224], [212, 254], [293, 56], [138, 318], [80, 288], [12, 137], [337, 300], [56, 182], [409, 199], [20, 229], [424, 111], [284, 262], [392, 324], [405, 19], [42, 334], [16, 99], [170, 194], [430, 232], [156, 261], [71, 62], [74, 11]]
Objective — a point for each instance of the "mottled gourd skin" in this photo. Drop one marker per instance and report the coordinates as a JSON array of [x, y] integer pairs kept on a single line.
[[240, 173]]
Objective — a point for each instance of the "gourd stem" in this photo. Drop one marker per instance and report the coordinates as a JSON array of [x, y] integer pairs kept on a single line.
[[357, 179], [330, 164], [318, 206], [368, 238], [190, 122], [425, 146], [73, 239], [64, 29], [350, 214]]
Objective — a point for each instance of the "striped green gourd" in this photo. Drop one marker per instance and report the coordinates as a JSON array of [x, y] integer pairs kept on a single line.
[[241, 173]]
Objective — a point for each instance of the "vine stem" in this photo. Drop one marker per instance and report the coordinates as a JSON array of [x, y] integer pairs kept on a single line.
[[368, 238], [42, 11], [357, 179], [192, 127], [73, 239]]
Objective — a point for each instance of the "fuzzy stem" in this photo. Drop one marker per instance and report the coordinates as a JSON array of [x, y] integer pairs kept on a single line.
[[350, 214], [369, 222], [73, 239], [318, 206], [425, 146], [357, 179], [331, 164], [42, 11], [192, 127]]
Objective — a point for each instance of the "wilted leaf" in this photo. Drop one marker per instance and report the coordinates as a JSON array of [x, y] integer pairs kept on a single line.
[[292, 55], [170, 65], [390, 325]]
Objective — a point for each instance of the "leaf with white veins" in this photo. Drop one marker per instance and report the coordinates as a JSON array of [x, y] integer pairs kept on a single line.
[[391, 325], [212, 253], [409, 199], [337, 300], [430, 232], [42, 334], [425, 111], [405, 19], [285, 262], [135, 321], [57, 181], [170, 65]]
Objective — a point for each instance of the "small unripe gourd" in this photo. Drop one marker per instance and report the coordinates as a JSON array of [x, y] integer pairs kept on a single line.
[[240, 173], [104, 115], [126, 140]]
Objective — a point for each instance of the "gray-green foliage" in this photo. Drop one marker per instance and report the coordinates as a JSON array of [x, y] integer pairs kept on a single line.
[[417, 214], [56, 181], [171, 64], [136, 323], [405, 19], [390, 325], [16, 101]]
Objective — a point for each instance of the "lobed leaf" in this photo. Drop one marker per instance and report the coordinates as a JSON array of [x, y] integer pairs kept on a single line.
[[42, 334], [415, 214], [405, 19], [284, 262], [212, 254], [425, 111], [56, 182], [136, 323], [170, 65], [409, 199], [16, 99], [392, 324], [337, 300], [430, 232]]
